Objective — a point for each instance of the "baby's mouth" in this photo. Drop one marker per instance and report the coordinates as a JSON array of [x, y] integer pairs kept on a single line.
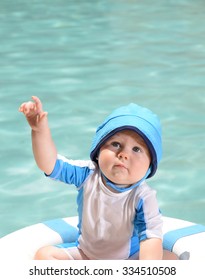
[[121, 166]]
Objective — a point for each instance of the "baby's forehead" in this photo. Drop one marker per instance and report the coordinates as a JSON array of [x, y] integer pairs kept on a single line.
[[128, 133]]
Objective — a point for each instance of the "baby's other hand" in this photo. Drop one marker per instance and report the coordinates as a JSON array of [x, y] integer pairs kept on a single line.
[[33, 111]]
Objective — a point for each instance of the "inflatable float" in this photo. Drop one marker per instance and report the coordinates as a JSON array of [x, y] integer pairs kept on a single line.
[[185, 239]]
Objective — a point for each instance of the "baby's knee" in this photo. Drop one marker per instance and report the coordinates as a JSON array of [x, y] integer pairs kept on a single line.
[[167, 255], [44, 253]]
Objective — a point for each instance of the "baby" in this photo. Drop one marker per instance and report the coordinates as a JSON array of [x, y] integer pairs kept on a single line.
[[119, 217]]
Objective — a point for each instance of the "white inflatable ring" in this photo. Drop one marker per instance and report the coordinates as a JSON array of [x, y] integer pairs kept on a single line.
[[185, 239]]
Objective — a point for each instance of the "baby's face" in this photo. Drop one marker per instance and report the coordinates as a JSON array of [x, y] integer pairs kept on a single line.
[[124, 158]]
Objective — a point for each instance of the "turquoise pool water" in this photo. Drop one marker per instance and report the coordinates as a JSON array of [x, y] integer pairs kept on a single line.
[[83, 59]]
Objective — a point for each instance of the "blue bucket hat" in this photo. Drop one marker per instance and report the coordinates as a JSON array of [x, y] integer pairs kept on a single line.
[[136, 118]]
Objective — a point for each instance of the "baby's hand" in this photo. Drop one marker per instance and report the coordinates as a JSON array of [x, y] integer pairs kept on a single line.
[[34, 113]]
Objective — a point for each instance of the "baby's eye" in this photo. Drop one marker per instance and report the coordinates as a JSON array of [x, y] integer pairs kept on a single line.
[[115, 144], [136, 149]]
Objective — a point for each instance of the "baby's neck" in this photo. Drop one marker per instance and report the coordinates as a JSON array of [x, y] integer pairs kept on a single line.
[[117, 185]]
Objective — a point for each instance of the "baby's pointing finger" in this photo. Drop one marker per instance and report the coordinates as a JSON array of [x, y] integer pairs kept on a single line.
[[38, 103]]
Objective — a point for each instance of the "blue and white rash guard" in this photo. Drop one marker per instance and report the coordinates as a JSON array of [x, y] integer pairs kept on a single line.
[[111, 224]]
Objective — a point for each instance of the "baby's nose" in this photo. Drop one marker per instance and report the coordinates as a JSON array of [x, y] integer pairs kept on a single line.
[[123, 154]]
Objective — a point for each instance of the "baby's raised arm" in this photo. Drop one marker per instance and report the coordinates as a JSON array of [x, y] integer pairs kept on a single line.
[[44, 149]]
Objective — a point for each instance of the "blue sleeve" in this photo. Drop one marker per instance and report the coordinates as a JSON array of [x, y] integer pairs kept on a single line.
[[70, 172]]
